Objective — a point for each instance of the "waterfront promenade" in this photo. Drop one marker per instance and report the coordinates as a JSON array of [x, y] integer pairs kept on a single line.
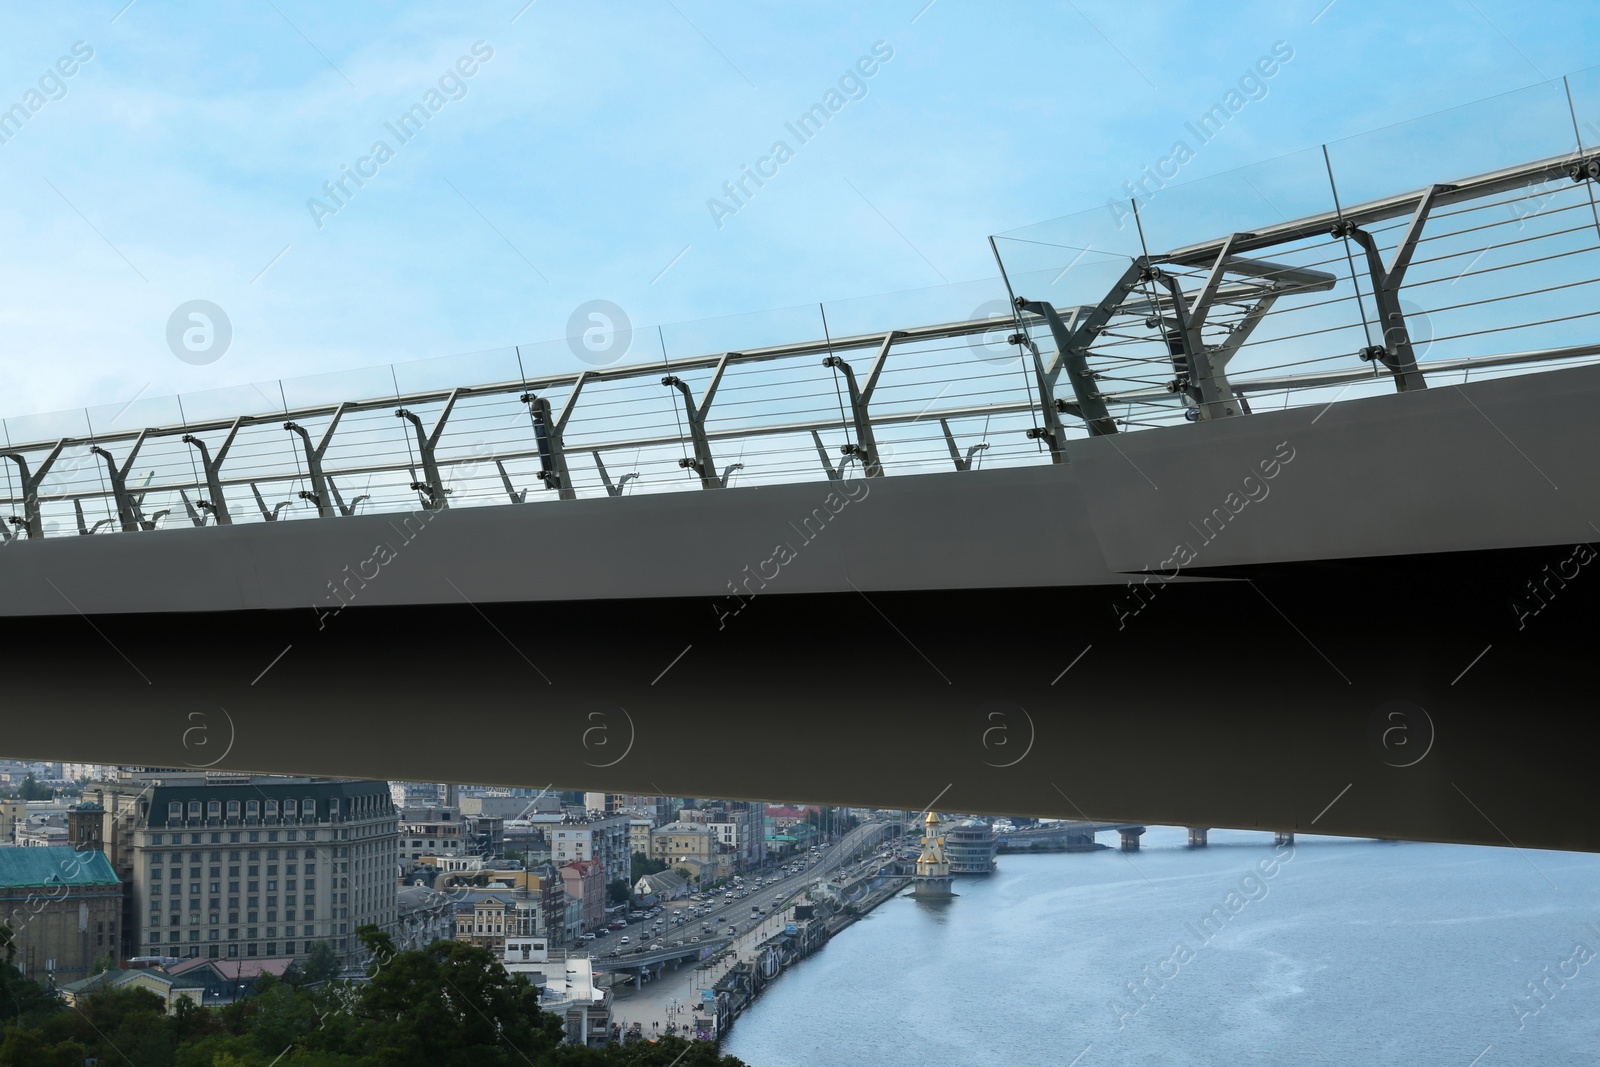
[[671, 997]]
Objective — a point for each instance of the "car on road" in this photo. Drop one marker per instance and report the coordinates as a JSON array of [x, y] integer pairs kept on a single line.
[[694, 940], [588, 937], [625, 940], [733, 929]]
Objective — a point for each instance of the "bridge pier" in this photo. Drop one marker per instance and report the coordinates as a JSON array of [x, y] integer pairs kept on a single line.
[[1130, 838], [1283, 837], [1197, 837]]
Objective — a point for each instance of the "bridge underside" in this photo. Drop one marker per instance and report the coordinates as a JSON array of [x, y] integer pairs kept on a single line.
[[1300, 712], [968, 642]]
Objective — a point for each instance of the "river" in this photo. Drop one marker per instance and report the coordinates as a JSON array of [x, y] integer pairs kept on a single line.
[[1330, 951]]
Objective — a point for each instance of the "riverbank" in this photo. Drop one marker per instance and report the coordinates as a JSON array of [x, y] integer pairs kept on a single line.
[[738, 975]]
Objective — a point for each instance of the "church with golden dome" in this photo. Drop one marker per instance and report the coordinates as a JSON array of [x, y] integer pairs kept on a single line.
[[933, 878]]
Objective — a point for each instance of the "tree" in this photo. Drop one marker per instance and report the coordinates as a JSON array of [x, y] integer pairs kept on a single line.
[[321, 962], [685, 873], [640, 865], [618, 892], [379, 945], [33, 790], [514, 854], [453, 1003]]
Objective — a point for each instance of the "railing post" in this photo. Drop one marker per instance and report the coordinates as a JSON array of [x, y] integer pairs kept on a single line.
[[319, 485], [217, 505], [865, 448], [1072, 349], [432, 484], [30, 486], [1396, 352], [703, 463], [549, 433], [128, 512]]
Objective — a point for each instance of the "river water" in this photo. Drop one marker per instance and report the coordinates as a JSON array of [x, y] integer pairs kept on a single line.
[[1332, 951]]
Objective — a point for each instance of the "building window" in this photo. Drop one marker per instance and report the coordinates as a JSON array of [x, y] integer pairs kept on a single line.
[[289, 808], [233, 950], [308, 808], [214, 809], [233, 809], [252, 808], [252, 951]]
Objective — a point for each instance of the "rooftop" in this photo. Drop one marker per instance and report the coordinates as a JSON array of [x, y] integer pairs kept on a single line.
[[54, 865]]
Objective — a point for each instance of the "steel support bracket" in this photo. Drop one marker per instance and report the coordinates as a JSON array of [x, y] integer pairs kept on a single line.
[[319, 485], [1053, 433], [1396, 352], [865, 447], [963, 463], [612, 488], [517, 496], [218, 504], [703, 463], [549, 431], [1206, 374], [1072, 356], [269, 514], [31, 521], [128, 512], [432, 486]]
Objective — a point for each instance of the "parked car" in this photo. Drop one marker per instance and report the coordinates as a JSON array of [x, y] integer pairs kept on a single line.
[[588, 937]]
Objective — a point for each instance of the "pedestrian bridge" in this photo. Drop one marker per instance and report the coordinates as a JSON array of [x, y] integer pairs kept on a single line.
[[1215, 530]]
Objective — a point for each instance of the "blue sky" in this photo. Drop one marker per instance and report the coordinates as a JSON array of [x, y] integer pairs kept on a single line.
[[577, 161]]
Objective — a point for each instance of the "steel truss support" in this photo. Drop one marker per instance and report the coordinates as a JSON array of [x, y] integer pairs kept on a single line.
[[432, 486], [345, 509], [128, 512], [834, 473], [865, 448], [548, 433], [1396, 352], [269, 514], [511, 490], [1054, 432], [218, 504], [963, 463], [612, 488], [1197, 377], [319, 485], [703, 463], [1072, 354], [31, 521]]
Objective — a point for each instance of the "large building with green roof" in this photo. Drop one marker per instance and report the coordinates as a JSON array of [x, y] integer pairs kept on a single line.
[[64, 908]]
